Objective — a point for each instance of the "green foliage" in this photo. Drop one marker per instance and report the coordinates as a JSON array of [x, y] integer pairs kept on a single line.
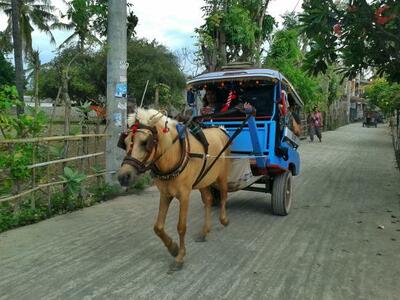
[[74, 180], [384, 95], [157, 64], [142, 182], [11, 126], [60, 203], [5, 43], [23, 216], [37, 14], [285, 48], [103, 192], [6, 71], [8, 99], [88, 21], [353, 34], [285, 56], [31, 124], [80, 15], [233, 31], [88, 73]]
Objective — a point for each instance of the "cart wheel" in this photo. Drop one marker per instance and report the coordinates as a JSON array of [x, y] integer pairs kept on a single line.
[[282, 194], [216, 201]]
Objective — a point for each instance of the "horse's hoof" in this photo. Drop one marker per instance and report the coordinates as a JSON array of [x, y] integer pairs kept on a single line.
[[225, 222], [173, 249], [175, 266], [200, 238]]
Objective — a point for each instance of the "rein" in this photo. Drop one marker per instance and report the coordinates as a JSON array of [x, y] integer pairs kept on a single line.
[[151, 146]]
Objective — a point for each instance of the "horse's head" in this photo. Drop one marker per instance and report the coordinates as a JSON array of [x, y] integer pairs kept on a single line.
[[140, 143]]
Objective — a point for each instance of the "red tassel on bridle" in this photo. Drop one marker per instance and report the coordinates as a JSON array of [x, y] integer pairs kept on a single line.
[[232, 96], [165, 129], [134, 127]]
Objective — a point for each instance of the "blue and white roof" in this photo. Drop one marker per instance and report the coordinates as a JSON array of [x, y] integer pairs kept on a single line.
[[244, 74], [236, 74]]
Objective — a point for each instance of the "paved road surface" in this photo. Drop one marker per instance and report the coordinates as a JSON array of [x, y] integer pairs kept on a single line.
[[330, 246]]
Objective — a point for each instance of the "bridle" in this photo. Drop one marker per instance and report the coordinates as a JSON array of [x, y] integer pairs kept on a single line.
[[151, 147]]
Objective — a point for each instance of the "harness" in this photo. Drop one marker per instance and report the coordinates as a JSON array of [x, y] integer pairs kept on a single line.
[[151, 147], [182, 137]]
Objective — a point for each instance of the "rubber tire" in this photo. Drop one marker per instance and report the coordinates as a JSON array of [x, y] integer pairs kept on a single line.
[[216, 201], [282, 191]]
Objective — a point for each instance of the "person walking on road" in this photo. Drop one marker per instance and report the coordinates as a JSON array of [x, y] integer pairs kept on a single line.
[[315, 122]]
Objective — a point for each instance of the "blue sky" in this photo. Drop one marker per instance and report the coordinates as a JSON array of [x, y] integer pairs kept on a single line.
[[171, 22]]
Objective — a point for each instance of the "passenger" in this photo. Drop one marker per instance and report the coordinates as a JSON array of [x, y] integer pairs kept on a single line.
[[209, 102], [295, 121]]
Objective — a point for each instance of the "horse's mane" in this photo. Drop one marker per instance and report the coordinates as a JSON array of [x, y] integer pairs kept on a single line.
[[150, 117]]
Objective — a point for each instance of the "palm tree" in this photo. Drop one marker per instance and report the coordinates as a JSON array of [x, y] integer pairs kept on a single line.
[[33, 70], [22, 16], [79, 14], [32, 14], [17, 45]]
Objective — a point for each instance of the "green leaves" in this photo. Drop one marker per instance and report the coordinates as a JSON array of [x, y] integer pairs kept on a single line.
[[8, 99], [353, 35], [6, 69], [233, 31], [74, 180], [384, 95]]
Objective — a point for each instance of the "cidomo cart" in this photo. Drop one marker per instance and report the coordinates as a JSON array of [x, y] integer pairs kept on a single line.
[[264, 148]]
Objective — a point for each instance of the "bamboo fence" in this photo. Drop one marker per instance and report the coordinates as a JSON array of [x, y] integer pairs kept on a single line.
[[18, 194]]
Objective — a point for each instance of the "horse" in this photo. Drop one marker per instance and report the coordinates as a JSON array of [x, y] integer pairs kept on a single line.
[[178, 162]]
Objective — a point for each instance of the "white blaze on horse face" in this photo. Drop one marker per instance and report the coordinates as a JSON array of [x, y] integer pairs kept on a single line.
[[139, 144]]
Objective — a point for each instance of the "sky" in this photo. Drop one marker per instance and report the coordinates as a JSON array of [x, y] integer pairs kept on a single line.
[[171, 22]]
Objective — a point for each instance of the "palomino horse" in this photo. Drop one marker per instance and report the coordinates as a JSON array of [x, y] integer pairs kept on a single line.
[[177, 160]]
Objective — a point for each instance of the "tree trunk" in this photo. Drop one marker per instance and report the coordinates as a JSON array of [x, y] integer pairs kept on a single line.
[[67, 112], [222, 60], [17, 43], [157, 97], [37, 102], [260, 21]]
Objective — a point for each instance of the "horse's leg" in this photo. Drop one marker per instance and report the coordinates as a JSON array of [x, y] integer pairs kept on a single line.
[[165, 201], [207, 200], [223, 191], [183, 210]]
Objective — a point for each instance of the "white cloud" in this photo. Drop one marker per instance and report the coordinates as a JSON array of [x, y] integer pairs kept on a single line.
[[172, 22]]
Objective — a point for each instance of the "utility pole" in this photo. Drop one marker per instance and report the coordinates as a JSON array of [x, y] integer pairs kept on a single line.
[[116, 84]]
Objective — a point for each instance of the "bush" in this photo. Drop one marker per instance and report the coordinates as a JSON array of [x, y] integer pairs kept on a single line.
[[25, 215]]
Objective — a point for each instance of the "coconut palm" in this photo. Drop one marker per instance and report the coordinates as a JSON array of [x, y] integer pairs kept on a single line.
[[33, 70], [80, 14], [32, 14], [23, 15]]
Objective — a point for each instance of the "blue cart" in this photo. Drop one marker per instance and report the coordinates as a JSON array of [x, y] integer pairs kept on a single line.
[[267, 138]]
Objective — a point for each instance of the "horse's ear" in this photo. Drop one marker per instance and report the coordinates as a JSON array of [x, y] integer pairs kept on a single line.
[[121, 142]]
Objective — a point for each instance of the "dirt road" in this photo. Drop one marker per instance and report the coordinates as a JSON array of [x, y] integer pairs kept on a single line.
[[329, 247]]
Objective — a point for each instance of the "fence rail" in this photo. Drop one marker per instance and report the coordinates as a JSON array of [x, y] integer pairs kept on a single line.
[[17, 194], [53, 138]]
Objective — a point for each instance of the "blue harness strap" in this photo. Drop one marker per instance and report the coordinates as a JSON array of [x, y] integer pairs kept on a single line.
[[181, 128]]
